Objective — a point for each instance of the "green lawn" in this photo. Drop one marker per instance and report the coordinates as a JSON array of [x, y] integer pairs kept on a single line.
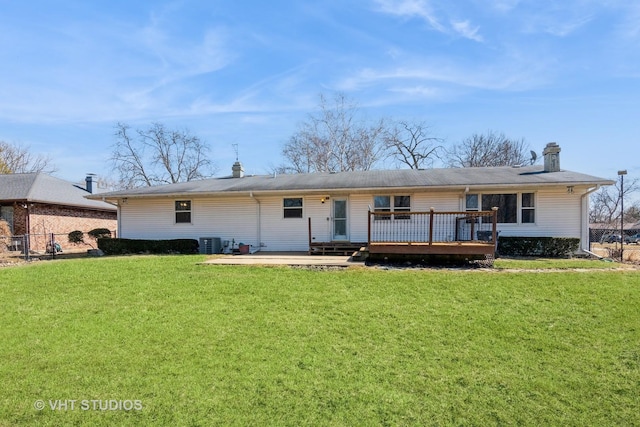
[[224, 345]]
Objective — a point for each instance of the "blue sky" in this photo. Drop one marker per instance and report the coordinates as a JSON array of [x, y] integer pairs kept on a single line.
[[247, 72]]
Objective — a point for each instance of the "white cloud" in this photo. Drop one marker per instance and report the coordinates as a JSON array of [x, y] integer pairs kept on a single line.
[[630, 26], [424, 10], [465, 30], [411, 8], [429, 76], [503, 5]]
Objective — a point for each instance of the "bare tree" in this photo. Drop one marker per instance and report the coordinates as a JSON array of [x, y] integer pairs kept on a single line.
[[490, 149], [158, 155], [412, 144], [15, 158], [334, 139], [605, 203]]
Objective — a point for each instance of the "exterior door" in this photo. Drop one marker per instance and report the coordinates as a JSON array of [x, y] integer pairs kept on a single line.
[[340, 219]]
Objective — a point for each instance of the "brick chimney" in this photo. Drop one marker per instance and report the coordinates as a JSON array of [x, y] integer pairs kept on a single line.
[[238, 170], [551, 155]]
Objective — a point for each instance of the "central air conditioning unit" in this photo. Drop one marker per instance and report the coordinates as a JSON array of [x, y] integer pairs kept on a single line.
[[210, 245]]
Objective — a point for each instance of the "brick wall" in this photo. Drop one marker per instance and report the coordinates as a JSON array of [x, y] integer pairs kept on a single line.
[[61, 220]]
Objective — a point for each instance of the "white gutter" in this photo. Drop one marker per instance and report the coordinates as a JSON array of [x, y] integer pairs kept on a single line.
[[584, 217], [360, 190]]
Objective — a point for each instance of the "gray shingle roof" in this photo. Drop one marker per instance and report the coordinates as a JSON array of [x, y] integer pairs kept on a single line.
[[368, 180], [42, 188]]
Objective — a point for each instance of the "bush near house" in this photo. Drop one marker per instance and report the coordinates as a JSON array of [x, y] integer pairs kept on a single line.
[[134, 246], [548, 247], [98, 233], [76, 237]]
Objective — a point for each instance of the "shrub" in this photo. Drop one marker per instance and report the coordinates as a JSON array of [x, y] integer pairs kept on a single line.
[[134, 246], [98, 233], [76, 237], [550, 247]]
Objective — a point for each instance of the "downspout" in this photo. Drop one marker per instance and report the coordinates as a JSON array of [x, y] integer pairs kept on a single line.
[[584, 218], [27, 240], [258, 227], [118, 220], [117, 205]]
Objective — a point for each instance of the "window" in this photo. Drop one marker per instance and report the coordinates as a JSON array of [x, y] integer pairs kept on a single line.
[[471, 205], [507, 205], [528, 208], [382, 203], [472, 202], [392, 204], [401, 204], [183, 211], [293, 207], [6, 213]]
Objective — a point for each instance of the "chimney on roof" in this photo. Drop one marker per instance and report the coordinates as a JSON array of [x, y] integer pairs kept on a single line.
[[89, 181], [238, 170], [551, 155]]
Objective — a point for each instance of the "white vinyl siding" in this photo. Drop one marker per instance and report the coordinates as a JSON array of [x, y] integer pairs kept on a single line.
[[229, 218], [279, 233], [557, 214]]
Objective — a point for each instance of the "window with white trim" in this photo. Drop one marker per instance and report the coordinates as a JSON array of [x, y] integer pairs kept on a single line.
[[392, 204], [292, 207], [528, 213], [472, 203], [183, 211], [507, 205]]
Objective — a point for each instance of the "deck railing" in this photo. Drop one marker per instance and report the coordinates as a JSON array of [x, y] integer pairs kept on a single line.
[[432, 227]]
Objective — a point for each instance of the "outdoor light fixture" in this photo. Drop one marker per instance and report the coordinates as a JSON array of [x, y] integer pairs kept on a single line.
[[622, 173], [570, 189]]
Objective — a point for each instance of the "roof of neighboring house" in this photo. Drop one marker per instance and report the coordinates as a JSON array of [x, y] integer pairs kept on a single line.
[[43, 188], [613, 226], [474, 178]]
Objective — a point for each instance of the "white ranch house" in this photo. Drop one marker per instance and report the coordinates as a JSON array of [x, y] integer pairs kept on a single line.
[[273, 212]]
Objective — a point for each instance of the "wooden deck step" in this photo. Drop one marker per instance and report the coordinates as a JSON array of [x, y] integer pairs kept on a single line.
[[334, 248]]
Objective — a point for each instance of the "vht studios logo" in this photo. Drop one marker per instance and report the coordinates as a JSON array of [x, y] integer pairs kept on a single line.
[[88, 405]]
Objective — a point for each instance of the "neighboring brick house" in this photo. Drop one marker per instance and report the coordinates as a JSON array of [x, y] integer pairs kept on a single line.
[[38, 204]]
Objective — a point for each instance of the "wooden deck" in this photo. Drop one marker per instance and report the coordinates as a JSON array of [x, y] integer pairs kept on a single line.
[[414, 235], [437, 248]]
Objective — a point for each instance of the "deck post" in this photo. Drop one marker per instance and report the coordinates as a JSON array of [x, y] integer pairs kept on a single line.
[[473, 226], [431, 215], [369, 214], [310, 240], [495, 225]]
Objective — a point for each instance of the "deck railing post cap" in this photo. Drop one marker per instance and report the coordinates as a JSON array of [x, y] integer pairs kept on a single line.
[[495, 208], [432, 209]]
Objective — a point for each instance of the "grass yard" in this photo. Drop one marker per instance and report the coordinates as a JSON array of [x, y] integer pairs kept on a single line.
[[164, 341]]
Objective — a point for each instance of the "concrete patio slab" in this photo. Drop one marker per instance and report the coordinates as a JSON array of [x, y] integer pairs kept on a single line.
[[283, 259]]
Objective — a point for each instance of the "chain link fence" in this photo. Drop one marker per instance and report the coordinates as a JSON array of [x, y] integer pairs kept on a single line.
[[609, 243], [44, 245]]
